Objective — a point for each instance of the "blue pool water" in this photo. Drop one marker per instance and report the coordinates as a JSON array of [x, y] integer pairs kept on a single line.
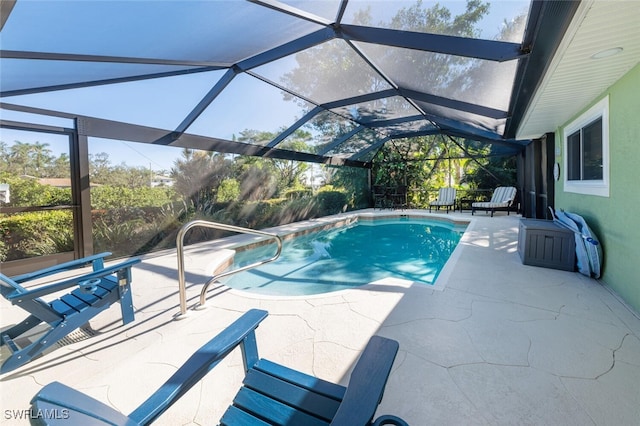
[[348, 257]]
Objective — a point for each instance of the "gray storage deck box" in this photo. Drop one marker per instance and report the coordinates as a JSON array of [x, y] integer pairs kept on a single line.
[[545, 243]]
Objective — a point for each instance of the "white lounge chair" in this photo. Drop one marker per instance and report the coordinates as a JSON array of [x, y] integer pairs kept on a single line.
[[502, 199], [446, 198]]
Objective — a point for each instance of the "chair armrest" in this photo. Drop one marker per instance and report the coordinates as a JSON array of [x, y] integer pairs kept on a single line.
[[198, 365], [62, 285], [67, 266], [73, 407], [367, 383]]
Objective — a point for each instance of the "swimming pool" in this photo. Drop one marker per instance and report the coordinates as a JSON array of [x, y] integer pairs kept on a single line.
[[350, 256]]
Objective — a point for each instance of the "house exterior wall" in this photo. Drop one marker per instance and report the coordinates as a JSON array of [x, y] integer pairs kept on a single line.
[[615, 219]]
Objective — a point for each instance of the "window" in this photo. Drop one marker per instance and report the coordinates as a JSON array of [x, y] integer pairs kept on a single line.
[[584, 152], [586, 147]]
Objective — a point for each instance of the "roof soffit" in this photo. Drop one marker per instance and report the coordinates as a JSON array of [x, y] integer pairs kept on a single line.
[[573, 79]]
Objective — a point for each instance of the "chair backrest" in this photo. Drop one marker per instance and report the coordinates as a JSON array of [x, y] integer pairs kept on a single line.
[[503, 194], [447, 194]]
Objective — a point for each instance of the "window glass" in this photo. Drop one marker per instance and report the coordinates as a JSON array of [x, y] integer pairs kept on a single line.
[[592, 146], [573, 156], [134, 205], [36, 201], [38, 166], [584, 153]]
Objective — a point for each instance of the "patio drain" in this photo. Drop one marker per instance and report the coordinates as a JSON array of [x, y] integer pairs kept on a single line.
[[83, 333]]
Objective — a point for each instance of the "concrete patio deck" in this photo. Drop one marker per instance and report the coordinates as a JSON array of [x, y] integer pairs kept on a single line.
[[499, 343]]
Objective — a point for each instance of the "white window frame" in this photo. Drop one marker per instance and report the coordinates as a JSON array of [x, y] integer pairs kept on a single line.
[[589, 187]]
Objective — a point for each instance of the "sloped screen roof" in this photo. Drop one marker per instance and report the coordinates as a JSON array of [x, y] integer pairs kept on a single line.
[[352, 73]]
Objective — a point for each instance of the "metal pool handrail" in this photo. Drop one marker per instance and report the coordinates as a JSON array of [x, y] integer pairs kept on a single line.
[[206, 224]]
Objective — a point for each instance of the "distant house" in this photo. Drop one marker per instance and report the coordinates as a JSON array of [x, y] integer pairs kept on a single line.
[[159, 180], [4, 193], [57, 182]]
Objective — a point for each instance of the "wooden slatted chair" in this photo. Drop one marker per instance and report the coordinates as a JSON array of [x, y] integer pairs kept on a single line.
[[94, 292], [271, 393]]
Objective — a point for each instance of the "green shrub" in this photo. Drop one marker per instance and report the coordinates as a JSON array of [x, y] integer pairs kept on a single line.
[[296, 210], [229, 190], [29, 192], [111, 197], [260, 214], [295, 194], [328, 202], [136, 230], [36, 234]]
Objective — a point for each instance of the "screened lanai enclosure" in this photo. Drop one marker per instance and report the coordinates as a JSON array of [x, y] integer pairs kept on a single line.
[[114, 112]]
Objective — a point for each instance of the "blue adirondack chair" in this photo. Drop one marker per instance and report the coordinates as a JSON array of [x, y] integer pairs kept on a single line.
[[271, 393], [94, 292]]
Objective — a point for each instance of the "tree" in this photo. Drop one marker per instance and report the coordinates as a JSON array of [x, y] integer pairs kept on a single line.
[[493, 172], [5, 157], [228, 191], [258, 180], [99, 167], [33, 159], [198, 175], [102, 172], [60, 167], [262, 178], [41, 157], [429, 161], [355, 182], [19, 158], [290, 172]]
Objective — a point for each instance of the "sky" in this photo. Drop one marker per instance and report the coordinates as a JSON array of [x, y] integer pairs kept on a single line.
[[157, 158], [163, 103]]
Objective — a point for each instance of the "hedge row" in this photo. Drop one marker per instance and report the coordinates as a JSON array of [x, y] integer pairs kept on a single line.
[[127, 230]]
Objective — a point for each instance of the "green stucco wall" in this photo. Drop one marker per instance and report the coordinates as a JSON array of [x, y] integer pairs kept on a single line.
[[616, 219]]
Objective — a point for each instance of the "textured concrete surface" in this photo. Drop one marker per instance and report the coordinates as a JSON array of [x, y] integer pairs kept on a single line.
[[495, 342]]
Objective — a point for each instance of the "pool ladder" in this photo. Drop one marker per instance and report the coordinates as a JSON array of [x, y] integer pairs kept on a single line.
[[222, 226]]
